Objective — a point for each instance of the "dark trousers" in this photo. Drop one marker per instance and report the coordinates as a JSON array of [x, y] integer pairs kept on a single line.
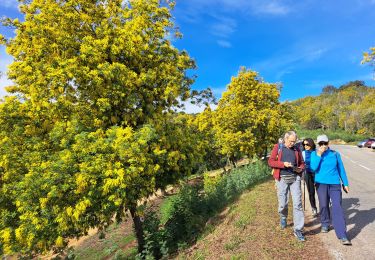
[[327, 192], [309, 179]]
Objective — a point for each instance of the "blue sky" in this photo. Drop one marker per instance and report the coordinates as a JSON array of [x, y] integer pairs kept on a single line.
[[305, 45]]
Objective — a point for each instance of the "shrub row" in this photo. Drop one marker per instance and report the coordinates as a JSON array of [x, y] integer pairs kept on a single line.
[[183, 216]]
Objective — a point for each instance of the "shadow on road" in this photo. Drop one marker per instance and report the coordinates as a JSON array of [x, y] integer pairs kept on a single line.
[[360, 218]]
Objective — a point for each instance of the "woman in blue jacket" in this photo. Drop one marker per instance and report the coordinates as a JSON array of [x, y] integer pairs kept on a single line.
[[329, 174]]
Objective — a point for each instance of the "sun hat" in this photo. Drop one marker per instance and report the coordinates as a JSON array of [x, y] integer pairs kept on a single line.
[[322, 138]]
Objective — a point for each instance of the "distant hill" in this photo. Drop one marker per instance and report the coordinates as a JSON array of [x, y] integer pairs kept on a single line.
[[350, 107]]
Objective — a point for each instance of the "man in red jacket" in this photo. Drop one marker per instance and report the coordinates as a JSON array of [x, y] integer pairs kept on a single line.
[[287, 163]]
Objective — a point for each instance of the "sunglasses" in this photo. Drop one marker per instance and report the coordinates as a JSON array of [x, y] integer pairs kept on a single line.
[[323, 143], [306, 145]]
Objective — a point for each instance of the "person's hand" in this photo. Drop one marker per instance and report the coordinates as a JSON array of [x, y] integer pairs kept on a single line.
[[288, 164], [321, 150], [346, 188]]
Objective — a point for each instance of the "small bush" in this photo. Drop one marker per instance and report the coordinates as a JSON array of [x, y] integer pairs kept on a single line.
[[155, 241], [186, 216]]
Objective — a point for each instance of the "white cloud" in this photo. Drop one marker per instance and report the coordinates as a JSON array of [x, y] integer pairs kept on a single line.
[[257, 7], [224, 44], [218, 92], [224, 14], [313, 54], [288, 60], [272, 8], [283, 72], [5, 60], [224, 27], [4, 81], [9, 3], [193, 108], [365, 2]]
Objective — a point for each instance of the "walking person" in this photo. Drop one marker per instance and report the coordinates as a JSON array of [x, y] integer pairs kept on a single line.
[[309, 147], [329, 176], [287, 163]]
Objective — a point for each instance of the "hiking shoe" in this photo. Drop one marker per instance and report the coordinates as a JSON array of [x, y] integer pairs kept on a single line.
[[298, 234], [324, 229], [314, 213], [345, 241], [283, 223]]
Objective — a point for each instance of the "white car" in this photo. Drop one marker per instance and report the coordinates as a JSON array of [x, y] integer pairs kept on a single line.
[[362, 143], [373, 145]]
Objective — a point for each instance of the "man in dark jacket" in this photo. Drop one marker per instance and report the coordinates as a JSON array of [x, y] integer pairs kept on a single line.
[[287, 163]]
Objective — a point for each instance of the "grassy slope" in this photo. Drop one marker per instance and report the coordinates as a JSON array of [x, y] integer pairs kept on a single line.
[[249, 229], [119, 239]]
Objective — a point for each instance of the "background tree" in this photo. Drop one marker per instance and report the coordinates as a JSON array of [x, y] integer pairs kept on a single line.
[[248, 117], [367, 113], [329, 89], [83, 139], [184, 152], [204, 122], [342, 108]]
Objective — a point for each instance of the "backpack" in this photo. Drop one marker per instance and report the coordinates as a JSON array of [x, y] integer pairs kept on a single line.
[[279, 147]]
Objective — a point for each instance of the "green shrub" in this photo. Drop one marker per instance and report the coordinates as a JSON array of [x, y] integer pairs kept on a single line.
[[185, 217], [155, 241]]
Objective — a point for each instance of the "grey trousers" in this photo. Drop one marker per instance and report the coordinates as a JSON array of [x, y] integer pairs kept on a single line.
[[294, 188]]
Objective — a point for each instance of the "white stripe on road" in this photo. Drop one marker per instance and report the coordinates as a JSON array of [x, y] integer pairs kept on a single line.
[[364, 167], [353, 161]]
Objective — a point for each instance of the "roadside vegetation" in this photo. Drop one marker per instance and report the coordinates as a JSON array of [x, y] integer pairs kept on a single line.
[[90, 128], [231, 216], [334, 135]]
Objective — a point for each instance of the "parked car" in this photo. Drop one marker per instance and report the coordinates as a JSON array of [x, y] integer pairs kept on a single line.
[[373, 146], [362, 143], [369, 142]]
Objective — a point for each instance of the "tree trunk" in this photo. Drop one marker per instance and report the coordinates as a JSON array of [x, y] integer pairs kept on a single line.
[[232, 159], [163, 192], [138, 228]]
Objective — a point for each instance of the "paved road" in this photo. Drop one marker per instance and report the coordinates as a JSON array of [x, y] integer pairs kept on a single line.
[[359, 205]]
